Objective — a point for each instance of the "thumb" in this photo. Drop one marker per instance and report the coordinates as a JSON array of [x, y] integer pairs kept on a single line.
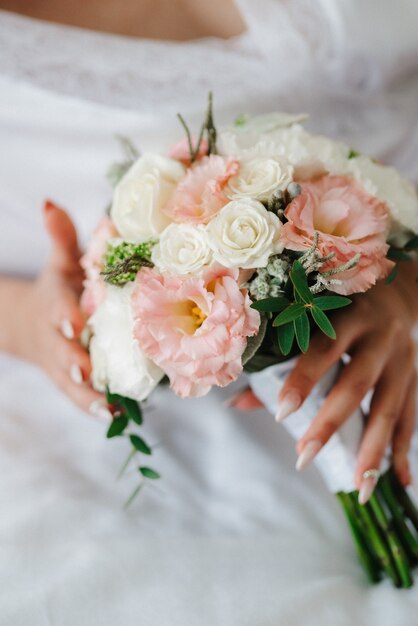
[[65, 252]]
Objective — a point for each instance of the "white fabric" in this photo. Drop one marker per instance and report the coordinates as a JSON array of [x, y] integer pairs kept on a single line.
[[231, 536], [338, 459]]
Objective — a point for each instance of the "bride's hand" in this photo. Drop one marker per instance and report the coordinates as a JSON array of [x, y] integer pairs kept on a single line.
[[376, 332], [51, 303]]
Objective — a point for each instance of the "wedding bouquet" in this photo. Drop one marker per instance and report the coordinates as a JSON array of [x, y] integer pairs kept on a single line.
[[226, 254]]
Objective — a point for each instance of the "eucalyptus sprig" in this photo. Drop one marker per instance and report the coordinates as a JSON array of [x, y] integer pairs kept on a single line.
[[123, 261], [117, 170], [294, 317], [125, 412], [207, 127]]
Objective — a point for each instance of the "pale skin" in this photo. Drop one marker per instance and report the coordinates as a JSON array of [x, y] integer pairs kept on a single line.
[[376, 330]]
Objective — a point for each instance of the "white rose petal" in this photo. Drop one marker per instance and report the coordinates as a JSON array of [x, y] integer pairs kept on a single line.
[[142, 194], [308, 154], [389, 186], [182, 249], [117, 360], [259, 178], [244, 234]]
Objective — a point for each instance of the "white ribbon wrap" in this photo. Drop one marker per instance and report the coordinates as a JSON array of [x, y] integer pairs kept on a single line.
[[337, 459]]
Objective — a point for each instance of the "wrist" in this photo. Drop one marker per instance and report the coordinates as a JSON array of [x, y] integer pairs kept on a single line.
[[15, 314]]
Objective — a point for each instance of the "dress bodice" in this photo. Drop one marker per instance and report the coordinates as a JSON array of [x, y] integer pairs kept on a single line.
[[66, 92]]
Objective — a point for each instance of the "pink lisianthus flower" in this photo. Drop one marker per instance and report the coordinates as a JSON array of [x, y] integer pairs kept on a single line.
[[181, 150], [195, 329], [199, 196], [91, 262], [349, 221]]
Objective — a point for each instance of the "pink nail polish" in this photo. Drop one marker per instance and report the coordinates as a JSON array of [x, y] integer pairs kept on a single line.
[[288, 405], [308, 453]]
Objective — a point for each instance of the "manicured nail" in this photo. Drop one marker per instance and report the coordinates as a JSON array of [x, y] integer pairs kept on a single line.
[[98, 409], [76, 374], [308, 453], [85, 337], [67, 329], [369, 482], [288, 405], [48, 205]]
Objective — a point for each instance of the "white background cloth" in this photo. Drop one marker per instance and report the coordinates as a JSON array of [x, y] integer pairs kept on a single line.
[[231, 536]]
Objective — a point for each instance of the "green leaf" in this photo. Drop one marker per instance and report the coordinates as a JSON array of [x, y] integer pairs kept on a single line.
[[300, 282], [270, 305], [392, 275], [303, 331], [133, 410], [292, 312], [396, 254], [353, 154], [140, 445], [326, 303], [412, 244], [323, 322], [260, 362], [254, 343], [285, 337], [112, 398], [149, 473], [117, 427]]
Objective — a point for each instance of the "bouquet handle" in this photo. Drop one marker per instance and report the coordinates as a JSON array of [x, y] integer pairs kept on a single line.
[[385, 530]]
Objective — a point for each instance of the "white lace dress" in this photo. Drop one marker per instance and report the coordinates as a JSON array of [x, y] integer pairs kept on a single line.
[[232, 536]]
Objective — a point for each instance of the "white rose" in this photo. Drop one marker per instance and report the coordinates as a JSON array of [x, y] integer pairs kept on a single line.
[[389, 186], [259, 178], [232, 139], [117, 360], [244, 234], [142, 194], [308, 154], [182, 249]]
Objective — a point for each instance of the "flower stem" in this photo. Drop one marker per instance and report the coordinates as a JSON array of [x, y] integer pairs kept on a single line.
[[404, 499], [366, 557], [410, 542], [376, 539], [397, 552]]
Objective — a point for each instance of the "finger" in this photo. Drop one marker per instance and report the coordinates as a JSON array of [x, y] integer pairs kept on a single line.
[[245, 400], [385, 408], [322, 354], [65, 253], [74, 360], [86, 398], [355, 380], [404, 431], [66, 314]]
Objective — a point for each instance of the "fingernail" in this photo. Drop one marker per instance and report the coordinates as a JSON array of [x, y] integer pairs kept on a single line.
[[369, 482], [85, 337], [288, 405], [308, 453], [48, 205], [67, 329], [98, 409], [76, 374]]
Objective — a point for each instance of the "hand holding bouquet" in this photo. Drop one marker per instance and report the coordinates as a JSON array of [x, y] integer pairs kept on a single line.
[[227, 254]]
